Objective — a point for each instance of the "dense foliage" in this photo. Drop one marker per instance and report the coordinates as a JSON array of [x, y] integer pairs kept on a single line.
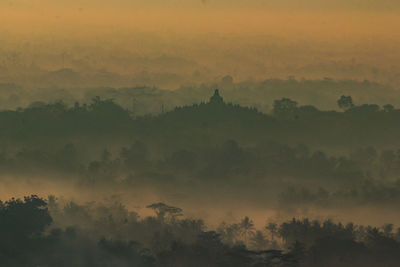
[[296, 157], [110, 235]]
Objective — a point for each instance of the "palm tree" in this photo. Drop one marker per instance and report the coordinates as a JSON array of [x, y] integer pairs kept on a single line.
[[273, 229], [246, 228], [258, 241]]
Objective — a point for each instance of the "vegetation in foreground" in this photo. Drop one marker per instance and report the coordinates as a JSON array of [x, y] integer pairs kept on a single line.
[[39, 232]]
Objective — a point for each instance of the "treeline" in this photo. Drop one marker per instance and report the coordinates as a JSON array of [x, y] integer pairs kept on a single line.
[[369, 193], [39, 232], [142, 100], [270, 171], [204, 123], [226, 160]]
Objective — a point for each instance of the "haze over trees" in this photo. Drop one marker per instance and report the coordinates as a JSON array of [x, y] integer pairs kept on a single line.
[[142, 100], [49, 232], [199, 133], [295, 161]]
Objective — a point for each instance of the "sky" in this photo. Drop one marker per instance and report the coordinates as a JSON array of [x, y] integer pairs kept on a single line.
[[233, 15], [222, 36], [284, 4]]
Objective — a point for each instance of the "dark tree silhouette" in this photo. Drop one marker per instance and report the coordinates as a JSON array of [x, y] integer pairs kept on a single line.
[[345, 102], [284, 106], [388, 108], [163, 210]]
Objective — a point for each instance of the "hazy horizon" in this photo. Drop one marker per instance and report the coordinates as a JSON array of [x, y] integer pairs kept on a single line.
[[206, 133], [197, 41]]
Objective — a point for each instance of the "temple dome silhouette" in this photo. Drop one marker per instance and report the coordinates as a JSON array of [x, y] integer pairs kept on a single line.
[[216, 98]]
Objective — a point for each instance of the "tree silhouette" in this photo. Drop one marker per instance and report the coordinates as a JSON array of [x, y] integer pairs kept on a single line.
[[284, 106], [388, 108], [273, 229], [24, 218], [345, 102], [258, 241], [163, 210], [246, 228]]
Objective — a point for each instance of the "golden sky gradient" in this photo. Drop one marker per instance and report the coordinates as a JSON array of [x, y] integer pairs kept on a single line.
[[354, 17], [252, 38]]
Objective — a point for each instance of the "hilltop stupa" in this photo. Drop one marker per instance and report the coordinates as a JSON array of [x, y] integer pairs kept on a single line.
[[216, 98]]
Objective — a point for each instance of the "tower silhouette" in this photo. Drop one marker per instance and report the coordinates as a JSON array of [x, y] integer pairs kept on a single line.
[[216, 98]]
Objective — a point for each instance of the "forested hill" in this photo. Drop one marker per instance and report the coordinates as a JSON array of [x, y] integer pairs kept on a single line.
[[206, 123], [142, 100]]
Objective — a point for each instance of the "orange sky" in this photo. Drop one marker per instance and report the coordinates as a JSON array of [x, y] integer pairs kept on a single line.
[[224, 36], [193, 16]]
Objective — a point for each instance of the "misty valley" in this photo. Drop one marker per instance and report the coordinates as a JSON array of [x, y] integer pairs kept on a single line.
[[212, 183], [199, 133]]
